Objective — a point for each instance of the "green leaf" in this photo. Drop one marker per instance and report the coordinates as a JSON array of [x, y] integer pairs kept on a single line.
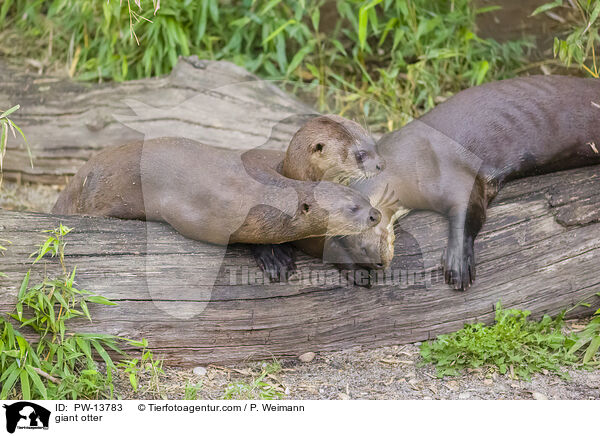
[[12, 374], [593, 15], [98, 299], [10, 111], [85, 309], [24, 285], [592, 349], [339, 46], [363, 22], [71, 279], [44, 249], [278, 31], [214, 10], [3, 142], [23, 345], [487, 9], [546, 7], [25, 385], [133, 381], [482, 69], [316, 18], [37, 381], [102, 352]]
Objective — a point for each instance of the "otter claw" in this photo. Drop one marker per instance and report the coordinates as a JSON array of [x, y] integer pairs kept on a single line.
[[277, 261], [459, 269]]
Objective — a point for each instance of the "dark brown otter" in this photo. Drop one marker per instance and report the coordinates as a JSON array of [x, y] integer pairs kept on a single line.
[[456, 158]]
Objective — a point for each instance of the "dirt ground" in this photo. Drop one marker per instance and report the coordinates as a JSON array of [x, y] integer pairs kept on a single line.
[[384, 373], [390, 373]]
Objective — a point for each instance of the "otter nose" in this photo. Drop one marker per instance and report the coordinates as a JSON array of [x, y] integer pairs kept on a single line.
[[374, 217]]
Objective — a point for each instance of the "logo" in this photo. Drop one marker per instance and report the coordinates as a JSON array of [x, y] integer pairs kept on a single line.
[[26, 415]]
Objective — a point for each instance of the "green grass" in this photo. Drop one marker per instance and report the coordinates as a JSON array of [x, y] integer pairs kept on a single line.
[[192, 392], [258, 388], [387, 59], [513, 345]]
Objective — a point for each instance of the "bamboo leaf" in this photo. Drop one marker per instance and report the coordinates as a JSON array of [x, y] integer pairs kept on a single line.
[[592, 349], [363, 22], [546, 7], [278, 31], [24, 376], [37, 381], [98, 299], [12, 375], [5, 114]]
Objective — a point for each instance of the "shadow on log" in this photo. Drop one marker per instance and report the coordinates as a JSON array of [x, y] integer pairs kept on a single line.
[[197, 304]]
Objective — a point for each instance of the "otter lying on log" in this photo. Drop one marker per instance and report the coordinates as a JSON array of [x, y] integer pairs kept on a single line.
[[223, 196], [455, 159]]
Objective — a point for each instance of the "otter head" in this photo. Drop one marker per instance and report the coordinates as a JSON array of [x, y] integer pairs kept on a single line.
[[333, 209], [332, 148], [371, 249]]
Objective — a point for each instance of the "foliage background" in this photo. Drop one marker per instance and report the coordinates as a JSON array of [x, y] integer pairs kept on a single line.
[[406, 55]]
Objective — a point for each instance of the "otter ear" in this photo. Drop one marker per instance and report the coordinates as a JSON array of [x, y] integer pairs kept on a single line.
[[318, 147], [305, 208]]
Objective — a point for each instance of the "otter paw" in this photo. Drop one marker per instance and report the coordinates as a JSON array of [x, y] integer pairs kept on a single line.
[[277, 260], [459, 268]]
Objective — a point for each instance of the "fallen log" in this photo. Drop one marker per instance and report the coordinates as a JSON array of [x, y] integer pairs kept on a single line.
[[198, 304], [66, 122]]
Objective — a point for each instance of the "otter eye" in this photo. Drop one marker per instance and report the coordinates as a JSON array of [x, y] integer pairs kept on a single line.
[[361, 156], [319, 147], [305, 207], [355, 208]]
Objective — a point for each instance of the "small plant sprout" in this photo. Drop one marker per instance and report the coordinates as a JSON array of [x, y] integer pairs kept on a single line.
[[581, 36], [259, 388], [7, 127], [145, 364], [55, 245]]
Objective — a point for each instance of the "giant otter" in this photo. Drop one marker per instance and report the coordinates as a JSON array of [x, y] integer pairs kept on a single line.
[[223, 196], [455, 159]]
